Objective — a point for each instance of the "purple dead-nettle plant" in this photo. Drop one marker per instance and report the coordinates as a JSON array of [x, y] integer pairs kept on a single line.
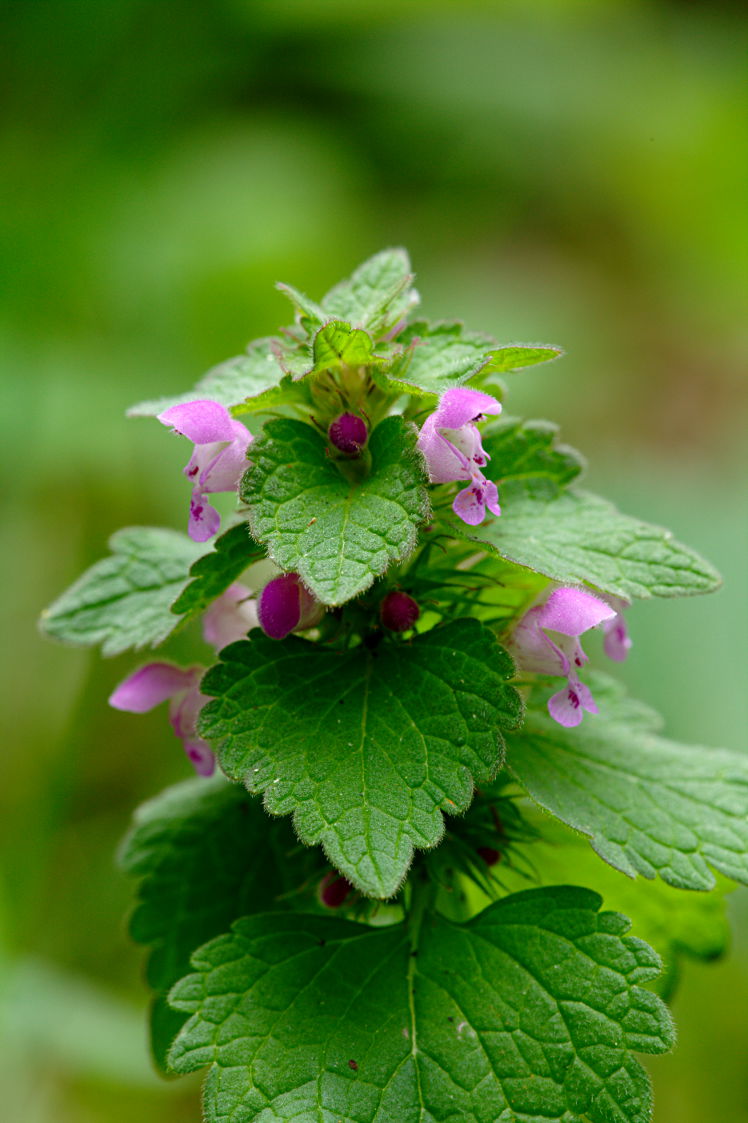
[[394, 725]]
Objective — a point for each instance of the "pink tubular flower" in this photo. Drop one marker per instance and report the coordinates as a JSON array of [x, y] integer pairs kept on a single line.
[[451, 443], [285, 605], [157, 682], [617, 642], [230, 617], [546, 640], [218, 459]]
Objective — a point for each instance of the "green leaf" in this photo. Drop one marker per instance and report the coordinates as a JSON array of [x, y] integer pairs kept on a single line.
[[250, 376], [648, 805], [206, 854], [529, 1012], [528, 451], [440, 356], [366, 748], [335, 345], [213, 573], [338, 345], [377, 295], [577, 537], [124, 601], [337, 533], [517, 356], [307, 310], [436, 358], [675, 922]]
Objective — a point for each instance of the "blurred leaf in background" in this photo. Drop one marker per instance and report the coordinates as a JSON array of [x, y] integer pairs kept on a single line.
[[562, 170]]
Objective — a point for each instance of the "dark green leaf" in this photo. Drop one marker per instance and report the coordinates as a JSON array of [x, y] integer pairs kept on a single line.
[[214, 572], [579, 538], [337, 533], [365, 748], [675, 922], [528, 1013], [124, 600], [206, 854], [648, 805]]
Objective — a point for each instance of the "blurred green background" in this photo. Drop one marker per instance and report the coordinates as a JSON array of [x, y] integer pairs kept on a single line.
[[570, 171]]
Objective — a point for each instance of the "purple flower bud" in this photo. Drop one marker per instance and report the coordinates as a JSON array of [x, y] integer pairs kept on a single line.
[[285, 605], [399, 612], [333, 890], [489, 855], [348, 433]]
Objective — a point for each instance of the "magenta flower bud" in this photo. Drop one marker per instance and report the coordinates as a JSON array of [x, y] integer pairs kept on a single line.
[[285, 605], [348, 433], [333, 890], [399, 612]]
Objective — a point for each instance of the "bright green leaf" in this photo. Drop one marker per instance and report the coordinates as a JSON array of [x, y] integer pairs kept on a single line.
[[579, 538], [124, 600], [366, 748], [335, 345], [648, 805], [377, 295], [307, 310], [528, 1013], [213, 573], [517, 356], [336, 532], [338, 345]]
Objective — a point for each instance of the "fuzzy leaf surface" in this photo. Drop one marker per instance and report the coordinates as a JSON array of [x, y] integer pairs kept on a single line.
[[123, 601], [528, 1014], [245, 376], [366, 748], [576, 538], [677, 923], [528, 451], [377, 295], [206, 853], [336, 533], [648, 805], [442, 355], [214, 572]]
